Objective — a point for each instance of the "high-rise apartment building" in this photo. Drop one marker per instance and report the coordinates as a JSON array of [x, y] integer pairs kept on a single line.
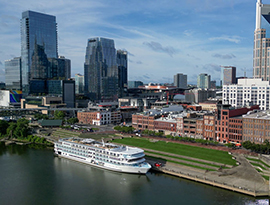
[[101, 70], [13, 74], [228, 75], [38, 40], [261, 50], [246, 92], [79, 83], [203, 81], [122, 71], [180, 80]]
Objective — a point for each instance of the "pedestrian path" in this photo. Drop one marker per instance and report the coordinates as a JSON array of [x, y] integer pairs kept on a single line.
[[243, 178]]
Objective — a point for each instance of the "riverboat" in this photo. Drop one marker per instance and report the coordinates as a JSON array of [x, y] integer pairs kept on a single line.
[[103, 155]]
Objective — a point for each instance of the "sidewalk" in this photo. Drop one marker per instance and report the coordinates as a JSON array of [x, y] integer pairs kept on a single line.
[[243, 178]]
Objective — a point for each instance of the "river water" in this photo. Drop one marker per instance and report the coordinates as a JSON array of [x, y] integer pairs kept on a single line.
[[34, 176]]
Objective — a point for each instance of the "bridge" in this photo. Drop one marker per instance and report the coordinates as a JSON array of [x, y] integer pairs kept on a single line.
[[16, 112]]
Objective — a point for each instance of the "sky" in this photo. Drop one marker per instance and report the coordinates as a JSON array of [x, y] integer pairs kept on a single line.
[[162, 37]]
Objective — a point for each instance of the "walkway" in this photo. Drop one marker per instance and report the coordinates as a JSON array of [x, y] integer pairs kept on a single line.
[[243, 178]]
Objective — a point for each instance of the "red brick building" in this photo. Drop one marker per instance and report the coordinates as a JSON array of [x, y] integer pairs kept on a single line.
[[165, 125], [209, 122], [143, 122], [87, 117], [256, 127], [225, 127]]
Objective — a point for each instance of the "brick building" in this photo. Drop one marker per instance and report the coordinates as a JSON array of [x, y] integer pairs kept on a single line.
[[209, 123], [166, 125], [143, 122], [256, 127], [226, 126], [95, 117]]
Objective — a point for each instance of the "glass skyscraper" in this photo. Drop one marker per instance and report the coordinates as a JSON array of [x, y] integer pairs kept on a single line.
[[100, 70], [38, 31], [122, 72], [13, 74], [203, 81], [261, 50], [79, 83]]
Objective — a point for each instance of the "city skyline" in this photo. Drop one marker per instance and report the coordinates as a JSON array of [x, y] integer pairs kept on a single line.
[[162, 39]]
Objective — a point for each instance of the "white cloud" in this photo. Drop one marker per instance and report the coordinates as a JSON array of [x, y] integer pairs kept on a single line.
[[233, 39]]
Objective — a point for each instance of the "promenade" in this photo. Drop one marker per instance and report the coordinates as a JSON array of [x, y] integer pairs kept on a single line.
[[243, 178]]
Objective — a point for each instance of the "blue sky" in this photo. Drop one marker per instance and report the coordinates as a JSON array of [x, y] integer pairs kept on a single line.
[[162, 37]]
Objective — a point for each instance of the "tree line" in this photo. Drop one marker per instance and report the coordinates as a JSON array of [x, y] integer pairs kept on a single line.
[[258, 148], [19, 130]]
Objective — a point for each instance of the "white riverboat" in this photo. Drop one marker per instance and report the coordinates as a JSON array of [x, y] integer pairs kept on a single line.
[[103, 155]]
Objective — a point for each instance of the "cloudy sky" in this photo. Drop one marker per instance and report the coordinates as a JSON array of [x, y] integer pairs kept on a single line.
[[162, 37]]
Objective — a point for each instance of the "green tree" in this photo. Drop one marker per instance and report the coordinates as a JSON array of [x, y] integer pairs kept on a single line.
[[22, 129], [10, 130], [59, 115], [72, 120], [3, 127]]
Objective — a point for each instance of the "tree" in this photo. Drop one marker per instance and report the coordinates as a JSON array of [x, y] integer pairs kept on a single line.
[[59, 115], [72, 120], [22, 129], [39, 116], [3, 127], [12, 126]]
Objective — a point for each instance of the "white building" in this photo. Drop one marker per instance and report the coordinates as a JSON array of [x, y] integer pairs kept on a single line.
[[247, 91]]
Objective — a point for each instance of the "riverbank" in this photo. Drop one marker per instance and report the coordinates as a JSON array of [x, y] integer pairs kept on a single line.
[[242, 178], [22, 142]]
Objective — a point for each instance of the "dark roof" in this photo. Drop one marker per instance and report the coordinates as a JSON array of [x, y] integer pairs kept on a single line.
[[50, 123]]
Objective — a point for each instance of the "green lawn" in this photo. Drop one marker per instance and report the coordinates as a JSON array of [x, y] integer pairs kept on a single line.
[[185, 159], [257, 165], [182, 163], [180, 149], [266, 177], [258, 160]]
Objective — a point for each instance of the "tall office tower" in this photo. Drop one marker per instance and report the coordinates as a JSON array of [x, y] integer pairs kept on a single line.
[[79, 83], [38, 31], [122, 71], [68, 93], [40, 64], [228, 75], [203, 81], [100, 70], [180, 80], [59, 68], [13, 74], [261, 50]]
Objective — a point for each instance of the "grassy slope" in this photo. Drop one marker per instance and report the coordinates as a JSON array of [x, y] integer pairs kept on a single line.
[[181, 149]]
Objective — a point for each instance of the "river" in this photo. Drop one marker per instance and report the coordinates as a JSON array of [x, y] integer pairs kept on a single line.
[[32, 175]]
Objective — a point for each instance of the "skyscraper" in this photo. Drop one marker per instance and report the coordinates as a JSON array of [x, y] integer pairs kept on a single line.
[[203, 81], [180, 80], [122, 71], [13, 74], [79, 83], [261, 50], [100, 70], [228, 75], [38, 32]]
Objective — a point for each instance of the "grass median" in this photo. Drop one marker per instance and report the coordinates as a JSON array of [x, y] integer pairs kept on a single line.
[[181, 149]]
